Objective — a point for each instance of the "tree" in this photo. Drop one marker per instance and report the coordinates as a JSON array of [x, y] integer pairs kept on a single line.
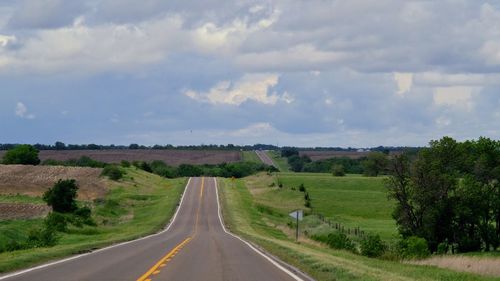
[[62, 196], [289, 151], [22, 154], [375, 164], [449, 194], [59, 145]]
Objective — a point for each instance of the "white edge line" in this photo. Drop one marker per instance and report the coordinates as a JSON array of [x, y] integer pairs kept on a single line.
[[291, 274], [102, 249]]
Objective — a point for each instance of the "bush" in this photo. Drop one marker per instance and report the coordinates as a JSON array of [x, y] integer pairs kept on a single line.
[[442, 248], [336, 240], [302, 188], [414, 247], [22, 154], [57, 222], [338, 170], [113, 172], [125, 164], [61, 197], [42, 237], [372, 246]]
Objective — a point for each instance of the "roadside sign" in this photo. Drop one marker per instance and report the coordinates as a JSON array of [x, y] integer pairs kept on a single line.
[[298, 214]]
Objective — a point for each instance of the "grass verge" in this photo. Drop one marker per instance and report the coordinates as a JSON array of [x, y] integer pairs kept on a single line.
[[140, 204], [261, 224], [251, 156], [281, 162]]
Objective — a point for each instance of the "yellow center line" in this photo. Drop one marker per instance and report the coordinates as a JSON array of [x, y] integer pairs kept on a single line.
[[162, 262], [199, 207]]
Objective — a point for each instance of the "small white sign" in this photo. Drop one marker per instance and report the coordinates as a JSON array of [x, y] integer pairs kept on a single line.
[[297, 214]]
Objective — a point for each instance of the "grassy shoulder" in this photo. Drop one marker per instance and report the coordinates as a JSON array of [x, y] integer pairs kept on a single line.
[[138, 205], [251, 156], [265, 224], [353, 200], [281, 162]]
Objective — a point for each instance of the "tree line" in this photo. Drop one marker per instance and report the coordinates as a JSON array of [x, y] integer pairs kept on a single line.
[[374, 164], [449, 194]]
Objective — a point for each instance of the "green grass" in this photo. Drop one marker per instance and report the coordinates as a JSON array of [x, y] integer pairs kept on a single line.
[[141, 204], [21, 199], [353, 200], [258, 222], [281, 162], [251, 156]]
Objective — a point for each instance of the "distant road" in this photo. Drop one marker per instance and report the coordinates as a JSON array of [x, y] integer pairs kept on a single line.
[[195, 247], [265, 158]]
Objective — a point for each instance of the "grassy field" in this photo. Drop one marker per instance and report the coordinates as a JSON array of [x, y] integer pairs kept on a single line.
[[247, 214], [353, 200], [251, 156], [279, 161], [140, 204]]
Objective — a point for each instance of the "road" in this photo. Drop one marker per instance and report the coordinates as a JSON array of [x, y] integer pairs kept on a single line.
[[265, 158], [195, 246]]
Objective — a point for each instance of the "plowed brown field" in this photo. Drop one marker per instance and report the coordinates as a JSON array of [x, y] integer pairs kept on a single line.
[[171, 157], [11, 211], [35, 180]]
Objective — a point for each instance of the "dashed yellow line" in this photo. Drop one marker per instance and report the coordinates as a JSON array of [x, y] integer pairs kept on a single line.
[[154, 270], [168, 257]]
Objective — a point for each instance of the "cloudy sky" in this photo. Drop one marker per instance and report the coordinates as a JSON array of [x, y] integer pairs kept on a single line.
[[309, 73]]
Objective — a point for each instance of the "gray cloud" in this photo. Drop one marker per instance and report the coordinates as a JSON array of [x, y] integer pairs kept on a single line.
[[298, 72], [35, 14]]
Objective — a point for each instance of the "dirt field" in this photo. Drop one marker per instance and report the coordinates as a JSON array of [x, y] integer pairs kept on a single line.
[[35, 180], [10, 211], [171, 157], [320, 155]]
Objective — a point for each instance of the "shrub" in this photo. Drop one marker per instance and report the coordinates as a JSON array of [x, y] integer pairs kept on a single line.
[[61, 197], [336, 240], [42, 237], [338, 170], [302, 188], [22, 154], [56, 221], [372, 246], [414, 247], [125, 164], [112, 172], [442, 248]]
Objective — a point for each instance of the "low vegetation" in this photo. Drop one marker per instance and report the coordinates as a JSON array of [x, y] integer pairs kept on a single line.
[[22, 154], [227, 170], [259, 213], [135, 206]]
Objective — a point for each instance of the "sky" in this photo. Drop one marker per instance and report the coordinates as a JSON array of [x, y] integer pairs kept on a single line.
[[303, 73]]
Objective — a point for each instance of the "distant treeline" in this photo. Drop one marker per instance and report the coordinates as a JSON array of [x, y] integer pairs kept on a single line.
[[62, 146], [227, 170], [374, 164], [237, 170]]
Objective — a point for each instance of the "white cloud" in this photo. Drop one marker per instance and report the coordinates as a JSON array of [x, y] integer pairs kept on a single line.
[[254, 87], [404, 82], [254, 130], [459, 97], [6, 39], [22, 111]]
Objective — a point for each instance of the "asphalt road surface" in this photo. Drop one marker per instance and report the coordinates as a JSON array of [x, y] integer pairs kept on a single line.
[[265, 158], [195, 246]]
